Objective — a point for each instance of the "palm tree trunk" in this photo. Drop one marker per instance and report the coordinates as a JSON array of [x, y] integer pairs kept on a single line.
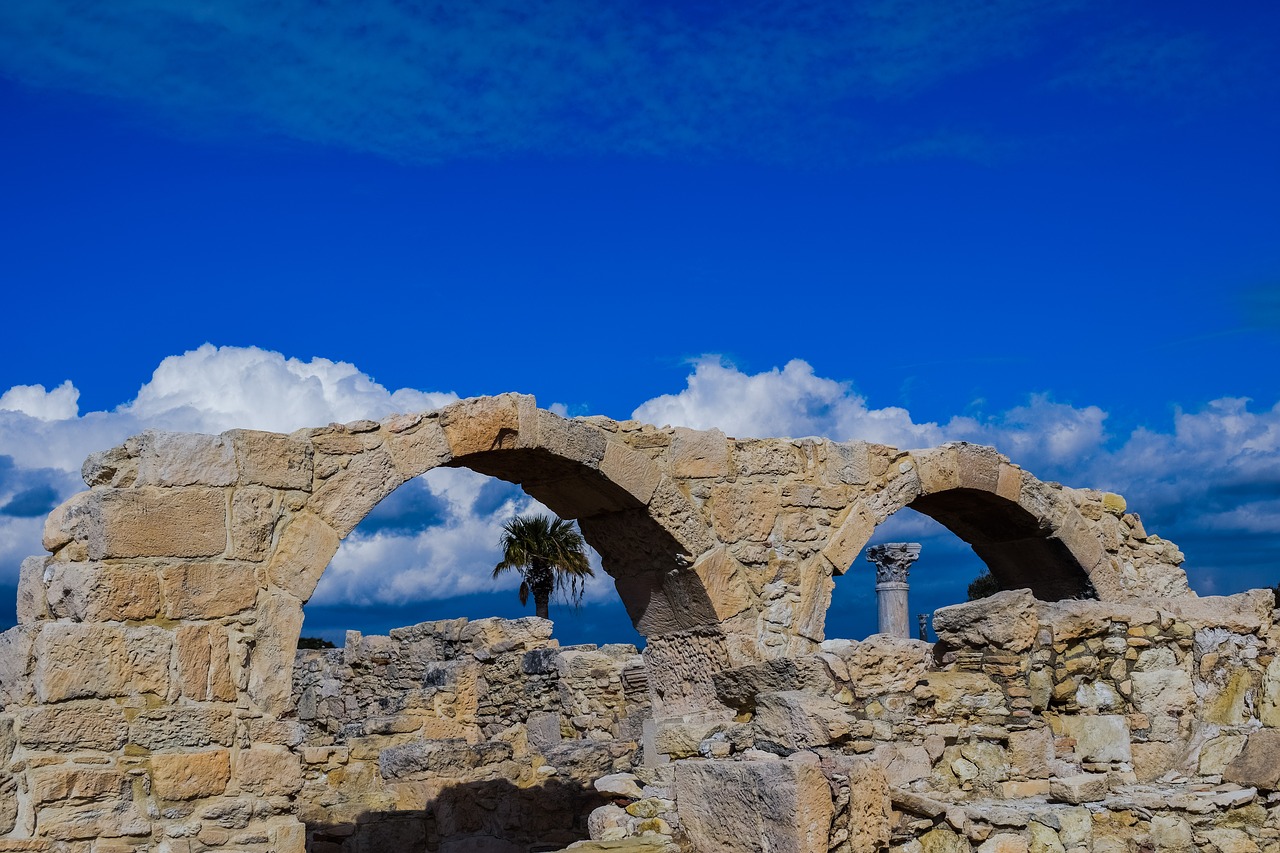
[[541, 600]]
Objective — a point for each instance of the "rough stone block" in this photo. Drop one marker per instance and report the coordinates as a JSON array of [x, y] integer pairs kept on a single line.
[[631, 470], [185, 459], [272, 460], [254, 513], [1256, 765], [753, 806], [305, 548], [72, 727], [487, 423], [190, 775], [1085, 788], [208, 590], [853, 533], [746, 511], [725, 583], [83, 784], [795, 719], [269, 770], [155, 522], [204, 671], [418, 448], [697, 454], [1099, 738], [76, 660], [182, 727], [347, 496], [93, 592]]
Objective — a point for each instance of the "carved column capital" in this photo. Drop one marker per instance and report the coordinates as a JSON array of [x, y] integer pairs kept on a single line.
[[893, 560]]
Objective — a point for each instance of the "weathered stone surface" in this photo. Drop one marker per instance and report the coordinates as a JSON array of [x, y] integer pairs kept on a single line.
[[306, 545], [204, 666], [796, 719], [185, 459], [93, 592], [155, 522], [619, 785], [255, 510], [82, 784], [64, 727], [347, 495], [271, 460], [75, 661], [190, 775], [1085, 788], [1256, 765], [268, 770], [696, 454], [750, 806], [1099, 737], [1006, 620], [742, 511], [208, 590]]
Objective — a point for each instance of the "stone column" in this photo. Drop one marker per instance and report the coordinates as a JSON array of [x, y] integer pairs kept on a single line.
[[893, 560]]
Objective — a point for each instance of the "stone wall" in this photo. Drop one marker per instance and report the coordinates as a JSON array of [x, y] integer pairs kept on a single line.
[[148, 695]]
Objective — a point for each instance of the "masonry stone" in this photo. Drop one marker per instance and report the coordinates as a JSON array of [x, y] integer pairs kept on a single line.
[[153, 697]]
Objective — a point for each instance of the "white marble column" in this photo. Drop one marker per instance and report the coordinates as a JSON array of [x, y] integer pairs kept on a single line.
[[892, 561]]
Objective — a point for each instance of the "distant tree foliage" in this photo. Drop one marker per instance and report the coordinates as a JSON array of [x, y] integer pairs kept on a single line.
[[983, 585], [1276, 591], [315, 643], [549, 554]]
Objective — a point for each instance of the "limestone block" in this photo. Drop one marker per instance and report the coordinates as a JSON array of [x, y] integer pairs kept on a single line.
[[631, 470], [943, 840], [1030, 752], [1269, 703], [269, 770], [117, 466], [175, 727], [753, 806], [9, 808], [347, 496], [1008, 620], [883, 664], [842, 463], [82, 784], [724, 581], [190, 775], [77, 660], [254, 513], [1082, 540], [208, 590], [69, 727], [903, 764], [1228, 840], [8, 740], [853, 533], [93, 592], [1165, 697], [486, 423], [272, 460], [574, 440], [1004, 842], [796, 719], [957, 693], [306, 545], [1256, 765], [698, 454], [109, 819], [1243, 613], [744, 511], [1044, 839], [185, 459], [76, 518], [1084, 788], [155, 522], [417, 449], [1218, 752], [624, 785], [1099, 737], [939, 469], [870, 811], [274, 647], [1153, 759], [204, 663], [33, 603]]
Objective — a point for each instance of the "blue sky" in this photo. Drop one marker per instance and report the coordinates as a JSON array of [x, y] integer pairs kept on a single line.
[[1049, 226]]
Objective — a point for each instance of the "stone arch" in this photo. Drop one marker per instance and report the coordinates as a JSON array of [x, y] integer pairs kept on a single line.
[[1031, 534]]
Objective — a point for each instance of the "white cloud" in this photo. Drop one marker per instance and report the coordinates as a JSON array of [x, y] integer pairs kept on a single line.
[[59, 404]]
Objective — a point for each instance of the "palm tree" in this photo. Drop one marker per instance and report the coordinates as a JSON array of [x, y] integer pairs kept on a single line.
[[549, 555]]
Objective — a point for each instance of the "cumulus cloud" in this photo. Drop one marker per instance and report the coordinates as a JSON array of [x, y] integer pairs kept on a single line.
[[32, 400]]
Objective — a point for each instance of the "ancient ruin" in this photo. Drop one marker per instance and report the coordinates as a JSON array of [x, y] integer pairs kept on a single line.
[[154, 698]]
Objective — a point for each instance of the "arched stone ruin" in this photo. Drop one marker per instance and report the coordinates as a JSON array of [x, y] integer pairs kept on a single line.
[[154, 698]]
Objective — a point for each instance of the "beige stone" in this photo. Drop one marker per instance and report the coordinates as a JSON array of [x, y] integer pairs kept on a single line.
[[272, 460], [418, 449], [1008, 620], [744, 511], [698, 454], [630, 470], [190, 775], [255, 510], [76, 661], [1043, 839], [1030, 752], [63, 728], [204, 668], [853, 533], [344, 498], [1004, 842], [268, 770], [795, 719], [1256, 765], [485, 423], [725, 582], [93, 592], [306, 545], [208, 590], [83, 784], [1099, 737], [185, 459], [155, 522], [1084, 788], [753, 806]]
